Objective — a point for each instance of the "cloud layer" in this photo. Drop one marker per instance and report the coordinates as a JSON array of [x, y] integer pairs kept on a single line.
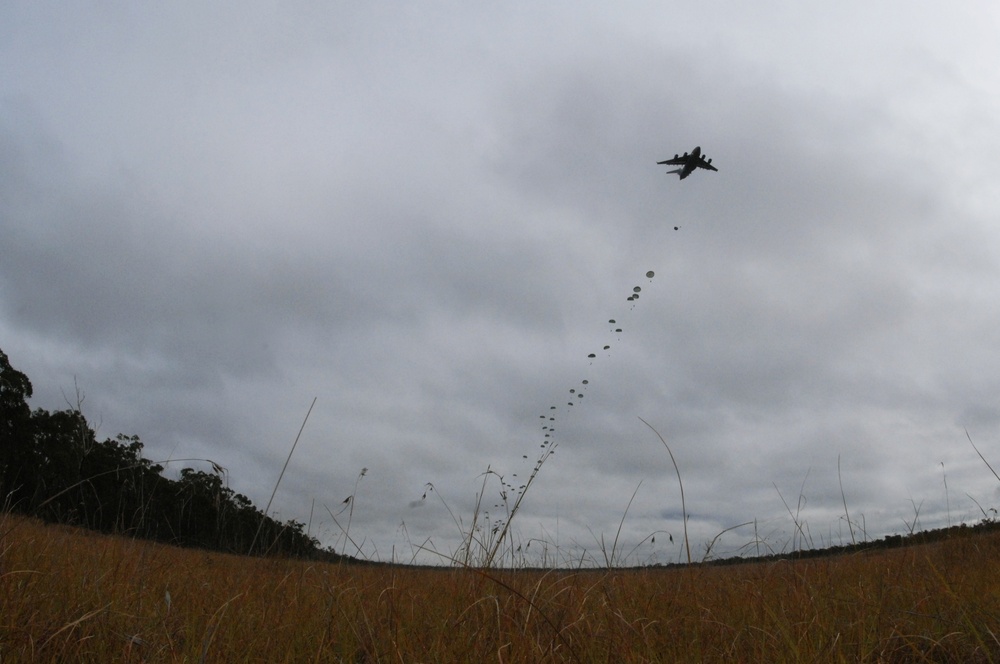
[[425, 218]]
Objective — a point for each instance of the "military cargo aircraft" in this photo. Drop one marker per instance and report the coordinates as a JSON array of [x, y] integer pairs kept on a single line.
[[688, 162]]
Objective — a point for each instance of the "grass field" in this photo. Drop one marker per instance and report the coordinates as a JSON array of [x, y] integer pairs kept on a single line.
[[72, 595]]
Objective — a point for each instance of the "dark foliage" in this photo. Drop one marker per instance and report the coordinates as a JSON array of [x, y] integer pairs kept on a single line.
[[53, 467]]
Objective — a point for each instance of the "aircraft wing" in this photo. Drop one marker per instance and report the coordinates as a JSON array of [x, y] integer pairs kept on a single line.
[[704, 164], [676, 161]]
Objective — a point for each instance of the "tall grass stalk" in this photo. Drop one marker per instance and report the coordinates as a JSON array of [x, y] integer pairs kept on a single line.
[[799, 527], [687, 544], [843, 497], [916, 517], [351, 501], [947, 498], [349, 505], [609, 561], [981, 455], [708, 547], [282, 473], [497, 543]]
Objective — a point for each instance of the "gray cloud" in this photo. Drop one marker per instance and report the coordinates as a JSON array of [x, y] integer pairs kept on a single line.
[[426, 218]]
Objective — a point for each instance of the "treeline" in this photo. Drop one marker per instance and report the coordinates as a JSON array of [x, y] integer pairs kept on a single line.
[[53, 467]]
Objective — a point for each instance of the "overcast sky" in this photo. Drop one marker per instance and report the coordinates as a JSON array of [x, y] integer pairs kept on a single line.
[[424, 215]]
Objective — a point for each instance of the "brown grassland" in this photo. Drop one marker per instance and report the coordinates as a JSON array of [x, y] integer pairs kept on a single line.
[[73, 595]]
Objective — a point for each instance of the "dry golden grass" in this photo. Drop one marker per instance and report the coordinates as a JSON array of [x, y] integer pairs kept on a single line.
[[70, 595]]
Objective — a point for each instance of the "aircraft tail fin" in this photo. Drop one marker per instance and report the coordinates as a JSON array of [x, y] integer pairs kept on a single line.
[[678, 171]]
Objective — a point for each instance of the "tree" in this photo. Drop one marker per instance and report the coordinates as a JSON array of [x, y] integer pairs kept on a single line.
[[52, 466], [60, 441], [15, 437]]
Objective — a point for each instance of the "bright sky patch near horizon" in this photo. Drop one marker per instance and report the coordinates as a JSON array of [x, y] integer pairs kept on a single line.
[[425, 216]]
